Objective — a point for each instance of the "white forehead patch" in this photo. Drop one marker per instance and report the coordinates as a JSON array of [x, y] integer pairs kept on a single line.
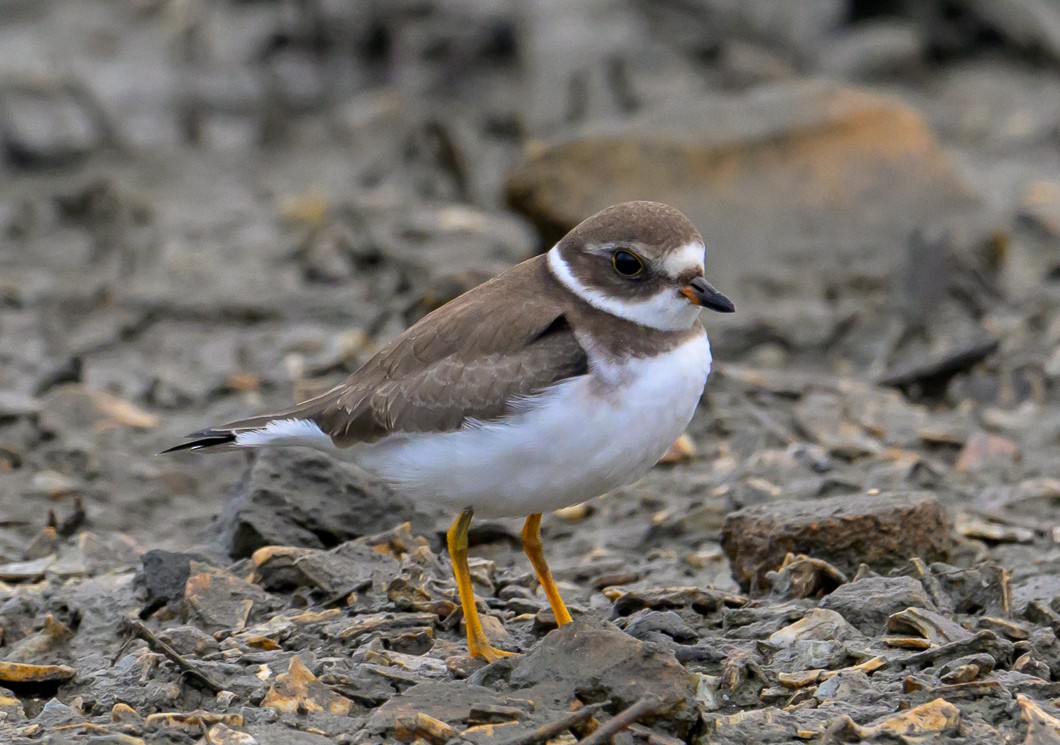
[[665, 311], [688, 256]]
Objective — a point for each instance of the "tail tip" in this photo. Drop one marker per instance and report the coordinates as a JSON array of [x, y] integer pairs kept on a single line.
[[201, 440]]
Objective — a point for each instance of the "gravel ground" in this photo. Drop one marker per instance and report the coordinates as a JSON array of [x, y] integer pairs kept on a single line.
[[210, 209]]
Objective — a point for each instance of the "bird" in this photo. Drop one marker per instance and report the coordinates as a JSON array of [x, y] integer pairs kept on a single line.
[[563, 378]]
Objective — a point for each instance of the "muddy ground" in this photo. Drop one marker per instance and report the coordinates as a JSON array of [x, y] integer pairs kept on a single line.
[[210, 209]]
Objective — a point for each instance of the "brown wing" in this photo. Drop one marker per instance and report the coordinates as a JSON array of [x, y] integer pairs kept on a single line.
[[470, 359]]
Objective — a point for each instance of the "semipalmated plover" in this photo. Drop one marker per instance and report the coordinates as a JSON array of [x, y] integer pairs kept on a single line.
[[565, 377]]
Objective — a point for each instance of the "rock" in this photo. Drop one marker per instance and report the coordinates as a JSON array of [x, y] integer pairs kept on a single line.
[[49, 124], [873, 49], [796, 29], [26, 571], [882, 531], [1031, 24], [163, 575], [662, 627], [1044, 588], [15, 405], [299, 497], [1039, 207], [1042, 727], [595, 661], [985, 451], [113, 552], [221, 734], [848, 685], [572, 53], [189, 640], [41, 645], [867, 603], [919, 623], [855, 172], [335, 572], [969, 667], [217, 600], [10, 707], [984, 589], [20, 673], [56, 714], [279, 734], [803, 577], [76, 406], [454, 239], [935, 717], [977, 528], [818, 625], [450, 701], [299, 691], [702, 600], [198, 719], [743, 64]]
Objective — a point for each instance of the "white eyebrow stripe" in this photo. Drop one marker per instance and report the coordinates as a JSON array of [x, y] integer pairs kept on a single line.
[[686, 257]]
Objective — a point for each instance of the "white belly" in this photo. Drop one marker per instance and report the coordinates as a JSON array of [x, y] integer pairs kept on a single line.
[[575, 441]]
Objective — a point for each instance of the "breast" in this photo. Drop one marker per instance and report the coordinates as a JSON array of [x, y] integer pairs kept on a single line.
[[576, 440]]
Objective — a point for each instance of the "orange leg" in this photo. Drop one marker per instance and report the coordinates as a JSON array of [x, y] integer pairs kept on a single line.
[[533, 549], [477, 643]]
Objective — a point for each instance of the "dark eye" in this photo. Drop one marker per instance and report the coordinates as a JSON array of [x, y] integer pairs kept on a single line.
[[626, 263]]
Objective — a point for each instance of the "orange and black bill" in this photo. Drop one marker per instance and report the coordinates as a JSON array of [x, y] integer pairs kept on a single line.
[[700, 292]]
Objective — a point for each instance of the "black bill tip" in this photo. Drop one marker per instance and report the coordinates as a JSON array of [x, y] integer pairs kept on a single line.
[[701, 292]]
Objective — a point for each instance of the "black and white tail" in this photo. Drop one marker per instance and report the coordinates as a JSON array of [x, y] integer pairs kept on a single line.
[[215, 439], [256, 433]]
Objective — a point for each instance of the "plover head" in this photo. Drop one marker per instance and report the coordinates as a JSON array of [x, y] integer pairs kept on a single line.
[[641, 261]]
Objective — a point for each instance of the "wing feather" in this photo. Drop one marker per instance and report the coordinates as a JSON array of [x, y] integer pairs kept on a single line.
[[463, 362]]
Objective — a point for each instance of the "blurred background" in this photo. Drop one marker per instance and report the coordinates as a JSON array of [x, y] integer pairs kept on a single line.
[[211, 208]]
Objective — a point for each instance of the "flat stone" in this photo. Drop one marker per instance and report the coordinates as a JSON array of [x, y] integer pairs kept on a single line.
[[594, 661], [1044, 588], [299, 691], [10, 706], [818, 625], [1029, 24], [218, 600], [24, 673], [882, 531], [935, 717], [46, 124], [298, 497], [868, 602], [26, 571], [279, 734], [1042, 727], [449, 701], [801, 169], [873, 49], [340, 570], [189, 640]]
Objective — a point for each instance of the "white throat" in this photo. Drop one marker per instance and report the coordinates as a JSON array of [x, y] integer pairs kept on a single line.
[[663, 311]]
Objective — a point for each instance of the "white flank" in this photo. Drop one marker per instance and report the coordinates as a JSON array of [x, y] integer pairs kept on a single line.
[[666, 311], [286, 432], [576, 440]]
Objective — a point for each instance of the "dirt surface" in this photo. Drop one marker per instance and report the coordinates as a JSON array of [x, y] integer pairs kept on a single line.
[[211, 209]]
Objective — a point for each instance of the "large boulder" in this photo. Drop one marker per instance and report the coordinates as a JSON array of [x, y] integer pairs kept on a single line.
[[793, 169], [881, 530]]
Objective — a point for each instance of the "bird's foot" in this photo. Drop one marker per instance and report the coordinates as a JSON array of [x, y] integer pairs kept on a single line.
[[482, 648]]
